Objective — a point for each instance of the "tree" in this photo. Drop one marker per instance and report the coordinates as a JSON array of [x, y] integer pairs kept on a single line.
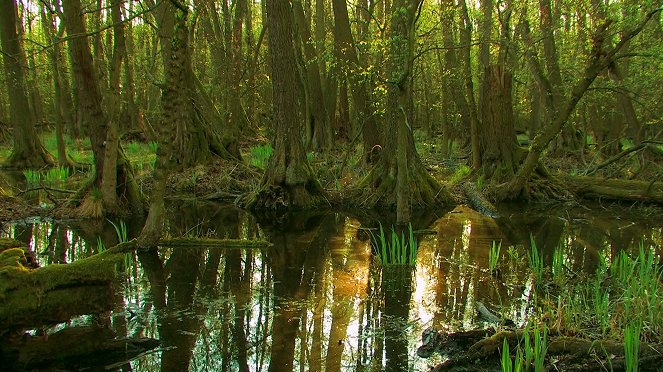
[[201, 137], [110, 190], [399, 179], [288, 180], [600, 58], [349, 68], [28, 152], [176, 114]]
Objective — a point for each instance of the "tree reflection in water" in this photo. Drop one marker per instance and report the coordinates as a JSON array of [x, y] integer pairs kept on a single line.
[[315, 300]]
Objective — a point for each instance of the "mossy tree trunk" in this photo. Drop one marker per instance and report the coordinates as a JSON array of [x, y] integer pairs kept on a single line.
[[28, 151], [198, 139], [288, 180], [176, 113], [399, 179], [125, 194]]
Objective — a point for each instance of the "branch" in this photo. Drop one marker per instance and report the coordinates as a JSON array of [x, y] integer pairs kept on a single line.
[[616, 158]]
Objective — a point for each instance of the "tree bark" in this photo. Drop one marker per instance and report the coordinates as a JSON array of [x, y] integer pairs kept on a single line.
[[399, 179], [176, 114], [319, 129], [498, 151], [89, 97], [62, 106], [350, 69], [27, 151], [288, 180]]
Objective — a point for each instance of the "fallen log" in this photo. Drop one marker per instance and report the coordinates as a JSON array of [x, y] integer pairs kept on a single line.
[[53, 294], [73, 348], [615, 189], [474, 349]]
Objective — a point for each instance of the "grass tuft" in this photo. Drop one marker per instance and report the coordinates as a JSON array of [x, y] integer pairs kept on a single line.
[[259, 155], [395, 248]]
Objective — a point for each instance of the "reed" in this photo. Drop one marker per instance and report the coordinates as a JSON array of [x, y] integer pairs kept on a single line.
[[494, 256], [536, 262], [394, 248]]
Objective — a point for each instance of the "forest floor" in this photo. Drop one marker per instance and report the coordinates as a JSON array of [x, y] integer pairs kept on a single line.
[[339, 170]]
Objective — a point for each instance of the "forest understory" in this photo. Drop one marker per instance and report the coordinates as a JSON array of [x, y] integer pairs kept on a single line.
[[572, 179]]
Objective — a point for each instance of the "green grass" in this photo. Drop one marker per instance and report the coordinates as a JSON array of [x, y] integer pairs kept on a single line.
[[620, 302], [396, 249], [558, 264], [461, 172], [56, 176], [259, 155], [536, 262], [120, 230], [631, 345], [494, 256], [52, 177], [33, 177]]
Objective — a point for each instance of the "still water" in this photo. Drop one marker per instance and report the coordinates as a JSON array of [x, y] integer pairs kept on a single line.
[[316, 299]]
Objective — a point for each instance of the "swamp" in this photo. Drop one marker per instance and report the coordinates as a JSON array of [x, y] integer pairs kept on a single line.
[[329, 185]]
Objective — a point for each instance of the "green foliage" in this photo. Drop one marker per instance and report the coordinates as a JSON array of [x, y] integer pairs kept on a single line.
[[506, 358], [259, 155], [56, 176], [120, 230], [100, 245], [536, 262], [396, 249], [558, 263], [32, 176], [51, 177], [631, 346], [460, 173], [494, 256], [518, 362]]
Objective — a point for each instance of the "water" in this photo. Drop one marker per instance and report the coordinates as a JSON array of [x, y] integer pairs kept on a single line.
[[316, 300]]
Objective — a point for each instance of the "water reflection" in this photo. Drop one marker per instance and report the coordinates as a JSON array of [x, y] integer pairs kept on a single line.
[[316, 299]]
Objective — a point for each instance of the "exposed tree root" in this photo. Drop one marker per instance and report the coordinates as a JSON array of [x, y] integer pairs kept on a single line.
[[473, 350], [20, 160], [378, 188]]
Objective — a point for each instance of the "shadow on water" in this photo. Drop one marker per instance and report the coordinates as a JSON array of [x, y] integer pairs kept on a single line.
[[317, 299]]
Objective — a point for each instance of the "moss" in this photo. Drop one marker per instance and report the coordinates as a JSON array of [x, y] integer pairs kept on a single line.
[[9, 243], [14, 258], [57, 292]]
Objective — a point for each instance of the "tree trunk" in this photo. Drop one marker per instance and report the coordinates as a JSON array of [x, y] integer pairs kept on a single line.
[[59, 94], [321, 134], [27, 152], [288, 180], [465, 41], [499, 159], [349, 66], [199, 139], [600, 58], [91, 113], [399, 179], [176, 114]]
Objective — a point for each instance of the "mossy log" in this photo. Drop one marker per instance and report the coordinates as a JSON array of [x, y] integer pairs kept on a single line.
[[478, 202], [615, 189], [73, 348], [56, 293], [571, 353]]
